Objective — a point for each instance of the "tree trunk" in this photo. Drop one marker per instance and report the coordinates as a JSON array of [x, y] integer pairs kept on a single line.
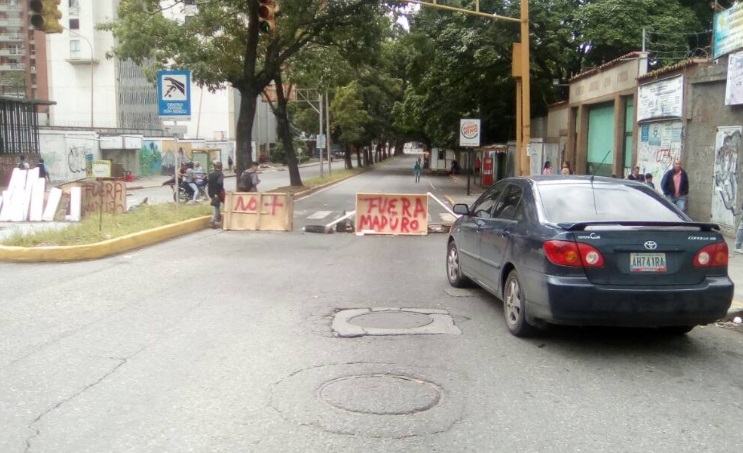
[[285, 134], [359, 163], [244, 133], [347, 156]]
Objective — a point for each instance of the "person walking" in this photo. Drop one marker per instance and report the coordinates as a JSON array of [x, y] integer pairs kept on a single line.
[[675, 185], [547, 169], [417, 170], [249, 179], [43, 174], [215, 189]]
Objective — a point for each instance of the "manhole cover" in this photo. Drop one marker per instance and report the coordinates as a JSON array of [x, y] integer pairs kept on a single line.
[[381, 394], [380, 400], [392, 320], [356, 322]]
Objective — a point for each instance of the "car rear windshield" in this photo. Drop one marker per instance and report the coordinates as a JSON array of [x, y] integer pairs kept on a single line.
[[586, 202]]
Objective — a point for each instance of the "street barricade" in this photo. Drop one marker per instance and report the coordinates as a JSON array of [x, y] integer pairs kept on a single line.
[[399, 214], [257, 211]]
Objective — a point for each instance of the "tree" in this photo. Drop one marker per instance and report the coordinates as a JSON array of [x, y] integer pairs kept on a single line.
[[350, 119], [222, 45]]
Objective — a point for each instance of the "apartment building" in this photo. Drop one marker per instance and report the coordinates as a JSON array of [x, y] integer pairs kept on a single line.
[[21, 49]]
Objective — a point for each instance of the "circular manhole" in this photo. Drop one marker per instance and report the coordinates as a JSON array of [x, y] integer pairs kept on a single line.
[[380, 394], [392, 320]]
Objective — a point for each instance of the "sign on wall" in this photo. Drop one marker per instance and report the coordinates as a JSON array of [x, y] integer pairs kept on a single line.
[[392, 214], [469, 133], [174, 94], [660, 144], [662, 99], [108, 196], [725, 187], [728, 32], [734, 85], [102, 168]]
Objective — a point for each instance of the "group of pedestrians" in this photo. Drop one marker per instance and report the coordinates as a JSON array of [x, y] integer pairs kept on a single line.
[[566, 169], [674, 184]]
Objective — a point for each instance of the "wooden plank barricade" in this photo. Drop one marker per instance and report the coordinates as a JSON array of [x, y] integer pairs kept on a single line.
[[258, 211], [402, 214]]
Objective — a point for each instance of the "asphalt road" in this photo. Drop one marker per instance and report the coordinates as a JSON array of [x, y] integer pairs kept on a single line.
[[223, 341], [270, 179]]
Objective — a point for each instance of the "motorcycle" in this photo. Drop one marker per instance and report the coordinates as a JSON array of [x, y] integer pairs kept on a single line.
[[183, 196]]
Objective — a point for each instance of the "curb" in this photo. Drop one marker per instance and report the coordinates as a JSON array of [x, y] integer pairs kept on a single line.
[[103, 249]]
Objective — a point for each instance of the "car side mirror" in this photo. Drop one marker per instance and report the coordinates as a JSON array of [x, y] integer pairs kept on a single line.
[[461, 209]]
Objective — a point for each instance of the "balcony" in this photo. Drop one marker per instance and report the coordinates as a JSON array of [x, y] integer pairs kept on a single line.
[[11, 37], [10, 8], [12, 67], [12, 53]]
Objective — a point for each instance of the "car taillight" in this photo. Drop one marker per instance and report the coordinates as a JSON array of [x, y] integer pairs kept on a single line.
[[713, 255], [568, 253]]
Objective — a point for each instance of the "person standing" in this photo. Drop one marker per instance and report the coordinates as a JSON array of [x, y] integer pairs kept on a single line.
[[649, 180], [547, 169], [215, 189], [635, 175], [566, 170], [417, 170], [675, 185], [22, 164]]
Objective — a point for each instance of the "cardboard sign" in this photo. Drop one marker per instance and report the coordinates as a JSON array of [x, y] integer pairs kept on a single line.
[[107, 196], [392, 214], [256, 211]]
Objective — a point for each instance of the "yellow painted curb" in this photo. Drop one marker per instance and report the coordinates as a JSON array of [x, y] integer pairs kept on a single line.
[[104, 248]]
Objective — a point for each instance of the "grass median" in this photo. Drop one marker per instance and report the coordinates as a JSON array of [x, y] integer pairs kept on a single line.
[[96, 228]]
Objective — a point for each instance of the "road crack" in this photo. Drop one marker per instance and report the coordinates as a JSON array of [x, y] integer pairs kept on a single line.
[[37, 431]]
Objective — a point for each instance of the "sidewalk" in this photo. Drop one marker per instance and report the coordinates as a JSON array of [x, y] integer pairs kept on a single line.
[[735, 264], [148, 182]]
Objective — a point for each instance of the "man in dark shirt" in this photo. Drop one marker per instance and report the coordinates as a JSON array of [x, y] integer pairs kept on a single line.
[[215, 189], [635, 175]]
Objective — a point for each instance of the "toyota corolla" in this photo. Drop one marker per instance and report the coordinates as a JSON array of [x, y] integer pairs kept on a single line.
[[583, 250]]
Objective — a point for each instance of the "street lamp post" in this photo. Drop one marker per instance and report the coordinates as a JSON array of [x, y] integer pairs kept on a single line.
[[91, 72]]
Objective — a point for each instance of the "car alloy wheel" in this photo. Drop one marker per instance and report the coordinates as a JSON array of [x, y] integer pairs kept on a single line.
[[454, 268], [514, 307]]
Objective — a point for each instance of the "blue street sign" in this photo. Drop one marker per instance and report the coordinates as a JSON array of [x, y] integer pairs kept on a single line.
[[174, 94]]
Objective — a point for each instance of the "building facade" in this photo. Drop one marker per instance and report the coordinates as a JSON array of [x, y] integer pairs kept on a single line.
[[22, 54]]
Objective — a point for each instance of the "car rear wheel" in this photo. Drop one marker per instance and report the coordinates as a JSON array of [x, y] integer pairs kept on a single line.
[[675, 330], [514, 307], [454, 268]]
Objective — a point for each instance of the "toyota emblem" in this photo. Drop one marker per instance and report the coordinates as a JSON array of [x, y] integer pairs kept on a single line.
[[651, 245]]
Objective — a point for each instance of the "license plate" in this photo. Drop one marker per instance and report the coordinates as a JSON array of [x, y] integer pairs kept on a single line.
[[647, 262]]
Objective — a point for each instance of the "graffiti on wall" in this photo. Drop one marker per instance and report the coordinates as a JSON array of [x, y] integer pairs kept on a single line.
[[660, 144], [79, 161], [150, 158], [725, 188]]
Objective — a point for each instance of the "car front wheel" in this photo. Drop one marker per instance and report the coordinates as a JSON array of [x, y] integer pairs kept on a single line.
[[514, 307], [454, 267]]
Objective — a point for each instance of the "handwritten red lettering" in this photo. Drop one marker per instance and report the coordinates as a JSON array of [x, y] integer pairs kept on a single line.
[[245, 203], [274, 204]]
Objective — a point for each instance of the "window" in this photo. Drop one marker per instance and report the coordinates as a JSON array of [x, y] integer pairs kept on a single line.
[[74, 7], [485, 206], [583, 202], [74, 24], [509, 203], [74, 49]]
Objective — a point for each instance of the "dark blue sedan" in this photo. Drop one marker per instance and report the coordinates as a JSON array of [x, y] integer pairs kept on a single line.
[[582, 250]]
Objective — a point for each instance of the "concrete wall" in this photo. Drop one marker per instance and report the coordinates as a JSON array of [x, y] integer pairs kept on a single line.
[[604, 84], [67, 154], [705, 112]]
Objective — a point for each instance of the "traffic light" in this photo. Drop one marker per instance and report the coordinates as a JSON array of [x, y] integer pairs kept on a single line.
[[267, 15], [44, 15]]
